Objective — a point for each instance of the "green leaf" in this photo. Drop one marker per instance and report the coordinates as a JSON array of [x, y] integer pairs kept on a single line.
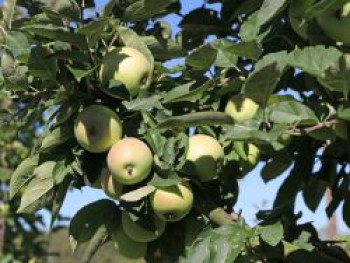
[[8, 11], [290, 112], [262, 81], [68, 8], [163, 49], [38, 192], [343, 112], [195, 119], [23, 174], [202, 58], [59, 198], [276, 166], [18, 43], [313, 192], [97, 240], [251, 50], [337, 76], [184, 93], [203, 20], [219, 245], [145, 9], [40, 65], [79, 74], [268, 10], [85, 223], [314, 60], [138, 194], [172, 179], [145, 103], [57, 34], [61, 170], [272, 234], [178, 92], [56, 137]]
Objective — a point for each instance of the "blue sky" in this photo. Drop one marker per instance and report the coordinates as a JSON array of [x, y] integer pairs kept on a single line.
[[253, 191]]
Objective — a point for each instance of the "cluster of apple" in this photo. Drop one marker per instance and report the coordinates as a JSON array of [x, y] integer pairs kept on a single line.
[[98, 129]]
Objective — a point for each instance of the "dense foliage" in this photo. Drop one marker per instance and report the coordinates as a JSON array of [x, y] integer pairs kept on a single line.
[[267, 79]]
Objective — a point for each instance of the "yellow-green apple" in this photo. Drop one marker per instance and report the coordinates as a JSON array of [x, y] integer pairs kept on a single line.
[[130, 161], [241, 109], [127, 65], [97, 128], [206, 154], [126, 246], [335, 21], [172, 203], [253, 154], [4, 210], [110, 186], [139, 233]]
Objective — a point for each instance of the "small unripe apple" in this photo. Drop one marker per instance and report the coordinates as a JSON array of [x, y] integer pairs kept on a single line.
[[127, 65], [172, 203], [139, 233], [206, 154], [130, 161], [111, 187], [126, 246], [97, 128], [4, 210], [335, 21], [253, 155], [241, 109]]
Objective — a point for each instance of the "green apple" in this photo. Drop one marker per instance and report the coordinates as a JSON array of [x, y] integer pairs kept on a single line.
[[4, 210], [126, 246], [97, 128], [112, 188], [206, 154], [127, 65], [172, 203], [335, 21], [241, 109], [130, 161], [139, 233], [253, 154]]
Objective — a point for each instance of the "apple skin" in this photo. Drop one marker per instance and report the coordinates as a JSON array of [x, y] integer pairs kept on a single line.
[[139, 233], [172, 203], [130, 161], [335, 22], [241, 109], [253, 155], [97, 128], [206, 154], [126, 246], [127, 65], [112, 188]]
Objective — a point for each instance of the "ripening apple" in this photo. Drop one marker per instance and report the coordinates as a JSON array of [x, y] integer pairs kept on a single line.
[[253, 154], [127, 65], [335, 21], [126, 246], [206, 154], [140, 233], [130, 161], [111, 187], [97, 128], [172, 203], [241, 109]]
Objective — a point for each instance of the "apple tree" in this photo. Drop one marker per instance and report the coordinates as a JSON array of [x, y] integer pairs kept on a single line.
[[258, 81]]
